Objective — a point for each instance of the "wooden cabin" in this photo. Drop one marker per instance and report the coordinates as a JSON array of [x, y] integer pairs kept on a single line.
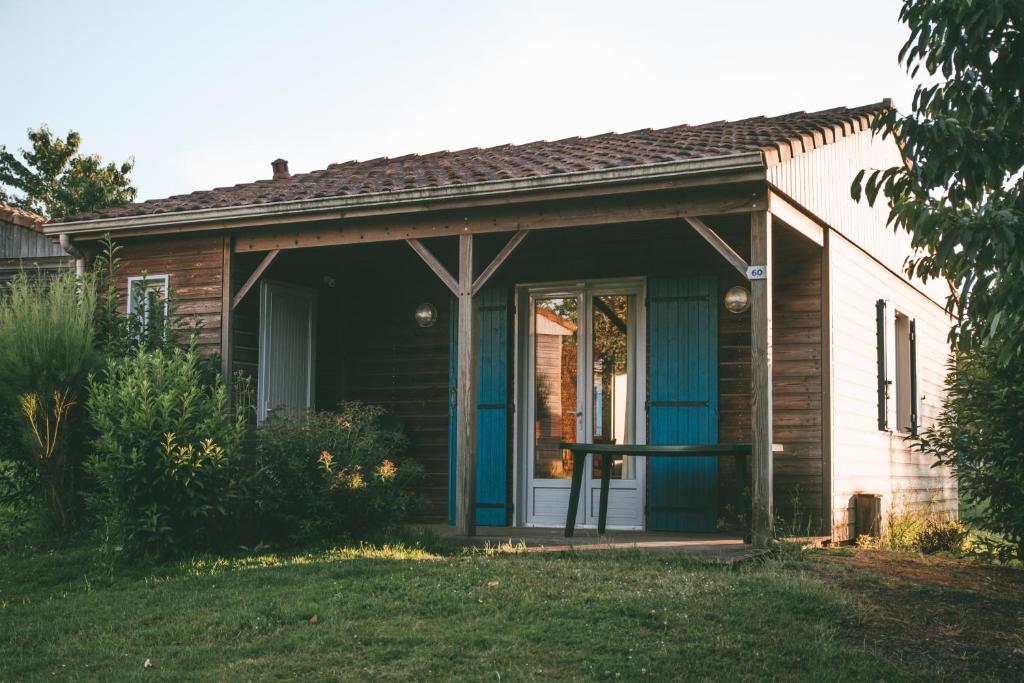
[[695, 285]]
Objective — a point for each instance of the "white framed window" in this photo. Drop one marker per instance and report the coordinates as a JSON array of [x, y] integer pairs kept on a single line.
[[145, 292], [897, 370]]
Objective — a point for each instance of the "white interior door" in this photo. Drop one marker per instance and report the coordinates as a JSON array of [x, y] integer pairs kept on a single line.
[[287, 348], [582, 351]]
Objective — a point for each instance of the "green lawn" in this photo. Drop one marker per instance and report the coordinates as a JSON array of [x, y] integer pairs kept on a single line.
[[404, 612]]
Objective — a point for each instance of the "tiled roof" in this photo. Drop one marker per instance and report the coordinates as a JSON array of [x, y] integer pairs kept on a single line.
[[779, 138], [16, 216]]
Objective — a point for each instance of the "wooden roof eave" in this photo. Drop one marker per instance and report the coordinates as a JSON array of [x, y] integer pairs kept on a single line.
[[736, 168]]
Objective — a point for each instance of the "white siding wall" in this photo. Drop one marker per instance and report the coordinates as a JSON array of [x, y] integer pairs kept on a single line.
[[865, 459], [820, 179]]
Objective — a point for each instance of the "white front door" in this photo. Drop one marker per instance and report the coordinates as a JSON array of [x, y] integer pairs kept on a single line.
[[287, 346], [582, 347]]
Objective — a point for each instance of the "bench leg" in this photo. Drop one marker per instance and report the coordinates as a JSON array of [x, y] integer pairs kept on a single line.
[[578, 464], [606, 476]]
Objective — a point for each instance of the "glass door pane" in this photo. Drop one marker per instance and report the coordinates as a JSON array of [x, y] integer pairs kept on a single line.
[[611, 386], [555, 381]]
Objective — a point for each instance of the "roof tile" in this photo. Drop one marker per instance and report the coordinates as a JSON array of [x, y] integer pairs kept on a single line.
[[779, 138]]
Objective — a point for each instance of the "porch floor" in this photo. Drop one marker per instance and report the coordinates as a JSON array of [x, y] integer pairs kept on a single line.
[[716, 548]]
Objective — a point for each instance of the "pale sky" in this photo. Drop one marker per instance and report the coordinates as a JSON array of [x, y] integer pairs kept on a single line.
[[205, 94]]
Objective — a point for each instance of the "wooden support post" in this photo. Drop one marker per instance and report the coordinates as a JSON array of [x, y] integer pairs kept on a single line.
[[226, 307], [761, 372], [465, 491]]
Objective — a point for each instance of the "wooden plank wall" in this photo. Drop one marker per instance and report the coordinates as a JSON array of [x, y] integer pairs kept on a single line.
[[17, 241], [865, 459], [381, 356], [195, 268], [820, 180], [797, 383]]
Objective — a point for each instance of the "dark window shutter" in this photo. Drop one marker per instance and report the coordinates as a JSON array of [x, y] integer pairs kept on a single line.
[[913, 378], [883, 381]]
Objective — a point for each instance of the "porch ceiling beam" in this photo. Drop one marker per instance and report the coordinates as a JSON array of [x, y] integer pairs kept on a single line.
[[499, 260], [578, 213], [254, 278], [435, 265], [795, 218], [719, 244]]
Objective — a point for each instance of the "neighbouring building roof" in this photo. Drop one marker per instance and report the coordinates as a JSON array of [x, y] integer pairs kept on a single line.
[[21, 217], [777, 138]]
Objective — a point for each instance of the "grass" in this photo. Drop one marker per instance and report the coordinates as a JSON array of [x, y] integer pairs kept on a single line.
[[412, 611]]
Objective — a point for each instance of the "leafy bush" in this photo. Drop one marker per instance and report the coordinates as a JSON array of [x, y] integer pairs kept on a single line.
[[46, 352], [942, 536], [17, 484], [162, 457], [979, 435], [329, 475]]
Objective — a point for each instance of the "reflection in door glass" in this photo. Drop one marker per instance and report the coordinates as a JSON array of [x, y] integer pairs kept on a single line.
[[610, 400], [555, 321]]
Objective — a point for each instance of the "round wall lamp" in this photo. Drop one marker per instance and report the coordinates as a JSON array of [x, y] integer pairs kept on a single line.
[[737, 300], [426, 315]]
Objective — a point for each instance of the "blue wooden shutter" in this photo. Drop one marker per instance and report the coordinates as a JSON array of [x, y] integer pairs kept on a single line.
[[492, 416], [682, 408]]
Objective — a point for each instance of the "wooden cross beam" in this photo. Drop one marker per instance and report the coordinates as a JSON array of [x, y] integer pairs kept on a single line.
[[254, 278], [434, 265], [499, 260], [719, 244]]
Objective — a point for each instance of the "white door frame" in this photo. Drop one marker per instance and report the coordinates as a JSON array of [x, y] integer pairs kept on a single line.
[[523, 359], [265, 335]]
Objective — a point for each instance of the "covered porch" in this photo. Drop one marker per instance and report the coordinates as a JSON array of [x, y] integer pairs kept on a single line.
[[649, 270]]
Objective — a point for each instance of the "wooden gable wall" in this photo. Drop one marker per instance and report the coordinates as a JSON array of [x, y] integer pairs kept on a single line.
[[820, 180]]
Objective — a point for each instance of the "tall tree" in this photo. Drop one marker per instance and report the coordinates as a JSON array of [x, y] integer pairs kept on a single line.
[[960, 195], [55, 180]]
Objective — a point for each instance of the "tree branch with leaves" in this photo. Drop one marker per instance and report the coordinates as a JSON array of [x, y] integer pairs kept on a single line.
[[54, 179]]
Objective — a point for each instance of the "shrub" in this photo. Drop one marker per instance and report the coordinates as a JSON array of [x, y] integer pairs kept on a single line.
[[161, 461], [46, 352], [978, 435], [942, 536], [326, 475], [17, 483]]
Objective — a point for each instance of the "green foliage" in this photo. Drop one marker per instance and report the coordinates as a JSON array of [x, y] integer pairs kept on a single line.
[[17, 486], [978, 434], [324, 476], [946, 536], [46, 352], [55, 180], [162, 459], [46, 333], [960, 196]]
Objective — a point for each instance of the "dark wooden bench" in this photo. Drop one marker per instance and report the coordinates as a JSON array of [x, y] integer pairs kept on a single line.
[[608, 451]]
